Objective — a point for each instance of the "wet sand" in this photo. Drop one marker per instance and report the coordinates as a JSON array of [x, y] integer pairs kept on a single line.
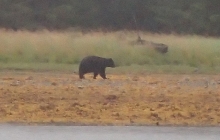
[[125, 99]]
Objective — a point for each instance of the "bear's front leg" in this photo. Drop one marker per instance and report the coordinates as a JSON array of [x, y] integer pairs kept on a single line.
[[102, 74]]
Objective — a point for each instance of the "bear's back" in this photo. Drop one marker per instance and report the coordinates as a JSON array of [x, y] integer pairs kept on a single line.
[[91, 63]]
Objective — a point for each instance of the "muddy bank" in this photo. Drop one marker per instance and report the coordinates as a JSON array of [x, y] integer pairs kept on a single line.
[[155, 99]]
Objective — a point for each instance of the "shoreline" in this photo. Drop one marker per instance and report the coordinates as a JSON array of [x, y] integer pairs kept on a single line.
[[103, 125], [124, 100]]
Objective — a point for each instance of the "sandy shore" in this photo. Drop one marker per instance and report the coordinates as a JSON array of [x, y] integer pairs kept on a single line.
[[127, 99]]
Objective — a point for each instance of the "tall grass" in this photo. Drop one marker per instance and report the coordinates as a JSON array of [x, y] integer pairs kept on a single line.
[[69, 47]]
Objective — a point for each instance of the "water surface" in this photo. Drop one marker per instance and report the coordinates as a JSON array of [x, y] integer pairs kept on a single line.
[[15, 132]]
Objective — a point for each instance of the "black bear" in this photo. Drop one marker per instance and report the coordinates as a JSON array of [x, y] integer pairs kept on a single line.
[[96, 65]]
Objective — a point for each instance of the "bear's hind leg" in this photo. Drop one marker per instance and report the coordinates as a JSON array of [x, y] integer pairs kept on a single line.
[[95, 74], [81, 76]]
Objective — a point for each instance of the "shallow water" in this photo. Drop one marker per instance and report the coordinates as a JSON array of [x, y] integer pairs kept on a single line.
[[15, 132]]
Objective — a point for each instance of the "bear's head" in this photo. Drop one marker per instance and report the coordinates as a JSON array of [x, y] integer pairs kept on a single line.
[[110, 63]]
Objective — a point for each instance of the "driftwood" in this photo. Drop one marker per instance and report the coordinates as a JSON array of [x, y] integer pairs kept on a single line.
[[159, 47]]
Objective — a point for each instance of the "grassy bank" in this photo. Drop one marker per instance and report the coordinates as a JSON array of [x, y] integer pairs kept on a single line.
[[64, 50]]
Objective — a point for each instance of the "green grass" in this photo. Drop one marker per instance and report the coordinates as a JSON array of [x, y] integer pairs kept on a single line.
[[39, 67], [44, 50]]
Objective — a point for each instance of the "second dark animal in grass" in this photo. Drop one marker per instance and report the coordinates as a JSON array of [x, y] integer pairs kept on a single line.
[[96, 65]]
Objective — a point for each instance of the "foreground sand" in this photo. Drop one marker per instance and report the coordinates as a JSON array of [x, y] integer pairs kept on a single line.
[[128, 99]]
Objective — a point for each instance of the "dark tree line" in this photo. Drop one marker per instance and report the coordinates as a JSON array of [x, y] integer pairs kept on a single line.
[[180, 16]]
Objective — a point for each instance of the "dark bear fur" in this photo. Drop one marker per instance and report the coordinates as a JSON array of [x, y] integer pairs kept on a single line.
[[96, 65]]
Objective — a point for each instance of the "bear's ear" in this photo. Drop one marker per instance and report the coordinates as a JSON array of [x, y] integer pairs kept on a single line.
[[111, 60]]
